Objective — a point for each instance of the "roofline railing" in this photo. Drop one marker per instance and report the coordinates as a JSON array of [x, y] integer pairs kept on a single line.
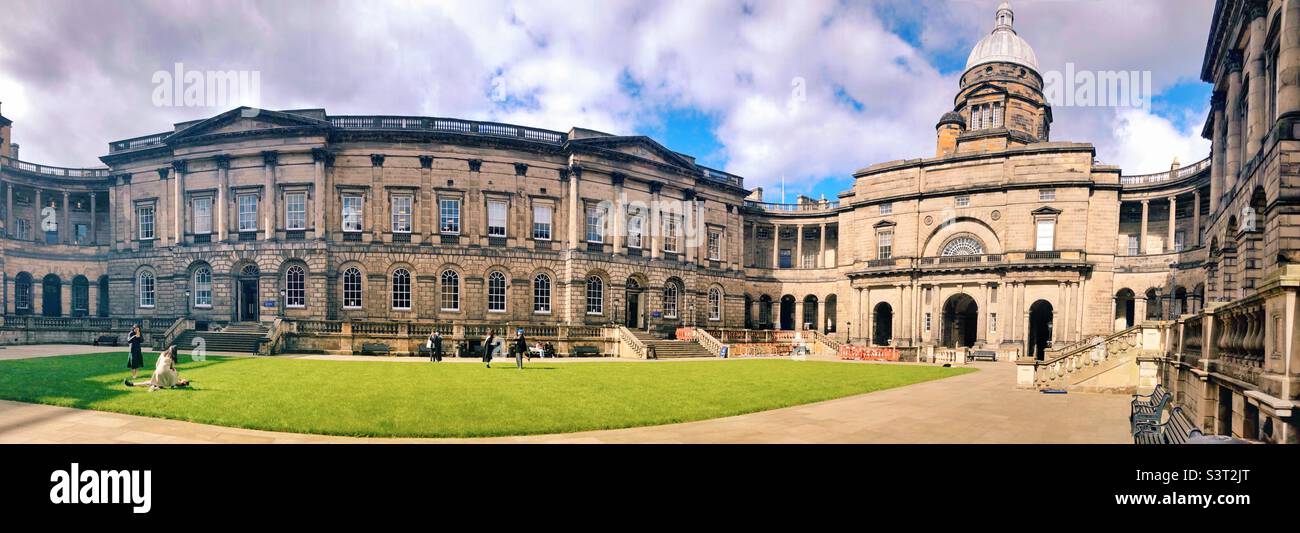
[[815, 206], [1159, 177], [46, 170]]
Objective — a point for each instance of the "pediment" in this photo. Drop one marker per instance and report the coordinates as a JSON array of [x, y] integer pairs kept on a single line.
[[641, 147], [245, 119], [1046, 210]]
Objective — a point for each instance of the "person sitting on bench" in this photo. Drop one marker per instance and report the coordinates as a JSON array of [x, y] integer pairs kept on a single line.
[[164, 373]]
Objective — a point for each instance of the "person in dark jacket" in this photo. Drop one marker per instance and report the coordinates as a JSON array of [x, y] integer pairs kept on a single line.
[[435, 347], [521, 348], [488, 344], [136, 361]]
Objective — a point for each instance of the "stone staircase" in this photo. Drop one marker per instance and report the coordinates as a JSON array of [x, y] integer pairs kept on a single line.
[[236, 338], [1109, 364], [671, 349]]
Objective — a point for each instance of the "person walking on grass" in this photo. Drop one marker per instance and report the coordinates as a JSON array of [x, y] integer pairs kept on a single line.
[[136, 360], [487, 349], [435, 346], [521, 348]]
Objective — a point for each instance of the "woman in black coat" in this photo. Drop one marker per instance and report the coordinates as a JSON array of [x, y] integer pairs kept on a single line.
[[136, 361], [488, 345]]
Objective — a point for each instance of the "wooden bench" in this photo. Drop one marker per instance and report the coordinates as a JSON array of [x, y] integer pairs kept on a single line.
[[1176, 430], [988, 355], [106, 340], [374, 349], [585, 351], [1147, 408]]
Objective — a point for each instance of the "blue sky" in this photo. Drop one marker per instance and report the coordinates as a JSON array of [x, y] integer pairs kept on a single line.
[[808, 90]]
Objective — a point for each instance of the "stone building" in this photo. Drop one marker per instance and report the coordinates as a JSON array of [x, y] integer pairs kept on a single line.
[[1005, 240]]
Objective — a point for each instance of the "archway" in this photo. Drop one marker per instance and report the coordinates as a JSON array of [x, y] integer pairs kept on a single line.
[[809, 318], [51, 296], [765, 312], [80, 296], [831, 320], [1040, 328], [960, 319], [1154, 311], [1124, 309], [101, 308], [1180, 301], [882, 327], [248, 293], [787, 312], [634, 297], [749, 312]]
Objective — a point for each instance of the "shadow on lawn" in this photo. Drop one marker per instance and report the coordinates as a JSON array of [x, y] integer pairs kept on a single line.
[[86, 381]]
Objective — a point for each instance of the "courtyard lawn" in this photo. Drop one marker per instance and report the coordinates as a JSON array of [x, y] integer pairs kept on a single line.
[[397, 399]]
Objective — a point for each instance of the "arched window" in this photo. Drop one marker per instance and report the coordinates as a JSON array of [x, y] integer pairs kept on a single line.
[[670, 300], [146, 284], [401, 289], [203, 287], [715, 304], [23, 293], [595, 296], [450, 290], [295, 287], [102, 306], [542, 294], [963, 246], [496, 292], [80, 296], [352, 288]]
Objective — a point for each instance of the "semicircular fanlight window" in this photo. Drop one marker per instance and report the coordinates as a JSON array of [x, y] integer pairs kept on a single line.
[[963, 246]]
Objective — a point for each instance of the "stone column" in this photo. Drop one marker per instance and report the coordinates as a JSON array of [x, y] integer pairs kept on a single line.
[[38, 232], [821, 246], [702, 234], [9, 209], [178, 216], [857, 315], [820, 324], [376, 200], [220, 219], [94, 226], [798, 246], [982, 320], [1288, 59], [1196, 217], [896, 327], [1218, 148], [656, 221], [128, 208], [619, 216], [1256, 124], [575, 208], [1173, 224], [737, 236], [1139, 308], [1233, 158], [319, 193], [1142, 235], [798, 313], [1059, 320], [160, 229], [776, 246], [271, 193], [65, 228]]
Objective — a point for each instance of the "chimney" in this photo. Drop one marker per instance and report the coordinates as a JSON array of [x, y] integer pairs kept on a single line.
[[946, 133]]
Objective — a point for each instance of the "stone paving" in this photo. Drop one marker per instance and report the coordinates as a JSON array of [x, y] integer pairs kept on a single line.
[[980, 407]]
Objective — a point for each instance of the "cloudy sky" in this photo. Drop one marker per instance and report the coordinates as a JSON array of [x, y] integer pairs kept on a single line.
[[805, 90]]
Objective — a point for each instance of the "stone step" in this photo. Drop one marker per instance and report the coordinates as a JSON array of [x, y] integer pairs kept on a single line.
[[220, 341]]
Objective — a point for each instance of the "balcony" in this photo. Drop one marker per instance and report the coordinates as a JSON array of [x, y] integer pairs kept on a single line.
[[1162, 177], [45, 170], [823, 206]]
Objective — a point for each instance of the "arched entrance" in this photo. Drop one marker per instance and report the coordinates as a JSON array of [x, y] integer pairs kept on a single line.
[[960, 319], [749, 312], [51, 296], [1124, 309], [765, 312], [80, 296], [787, 312], [634, 296], [1154, 310], [1180, 301], [830, 324], [809, 319], [1040, 328], [101, 308], [882, 326], [248, 293]]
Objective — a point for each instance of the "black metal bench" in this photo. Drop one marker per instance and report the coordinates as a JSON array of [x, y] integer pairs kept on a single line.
[[1176, 430], [987, 355], [585, 351], [1147, 408], [106, 340], [374, 349]]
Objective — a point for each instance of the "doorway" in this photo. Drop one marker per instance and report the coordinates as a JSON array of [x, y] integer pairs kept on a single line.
[[1040, 329], [882, 329], [960, 318], [248, 294], [632, 310]]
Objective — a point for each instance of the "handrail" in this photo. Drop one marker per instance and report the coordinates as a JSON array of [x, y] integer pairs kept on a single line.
[[274, 337], [709, 342], [1092, 343], [47, 170], [828, 345], [1089, 354], [817, 205], [169, 336], [1157, 177], [625, 337]]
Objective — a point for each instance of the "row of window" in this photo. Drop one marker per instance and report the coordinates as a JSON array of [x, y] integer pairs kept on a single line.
[[1045, 241], [449, 219], [295, 294]]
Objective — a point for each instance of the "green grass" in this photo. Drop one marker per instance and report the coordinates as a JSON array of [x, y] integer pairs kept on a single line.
[[390, 399]]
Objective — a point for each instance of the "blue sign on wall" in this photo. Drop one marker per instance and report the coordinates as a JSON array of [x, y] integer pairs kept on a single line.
[[656, 314], [268, 303]]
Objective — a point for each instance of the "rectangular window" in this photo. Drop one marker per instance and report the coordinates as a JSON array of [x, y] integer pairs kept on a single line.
[[1046, 195], [203, 215], [542, 222], [786, 258], [248, 212], [715, 246], [295, 211], [1180, 241], [997, 115], [595, 224], [81, 233], [1133, 245], [963, 201], [887, 209], [1046, 235], [449, 215], [352, 213], [927, 321], [23, 231], [634, 231], [496, 218], [975, 117], [809, 258], [885, 245], [993, 322], [402, 214], [145, 216], [670, 233]]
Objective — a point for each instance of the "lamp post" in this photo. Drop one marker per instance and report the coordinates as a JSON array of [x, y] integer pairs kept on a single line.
[[848, 331]]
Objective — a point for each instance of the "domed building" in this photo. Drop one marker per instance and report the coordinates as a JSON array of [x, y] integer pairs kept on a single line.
[[299, 230]]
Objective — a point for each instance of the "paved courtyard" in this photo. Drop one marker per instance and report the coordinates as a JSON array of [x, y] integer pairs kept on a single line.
[[980, 407]]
